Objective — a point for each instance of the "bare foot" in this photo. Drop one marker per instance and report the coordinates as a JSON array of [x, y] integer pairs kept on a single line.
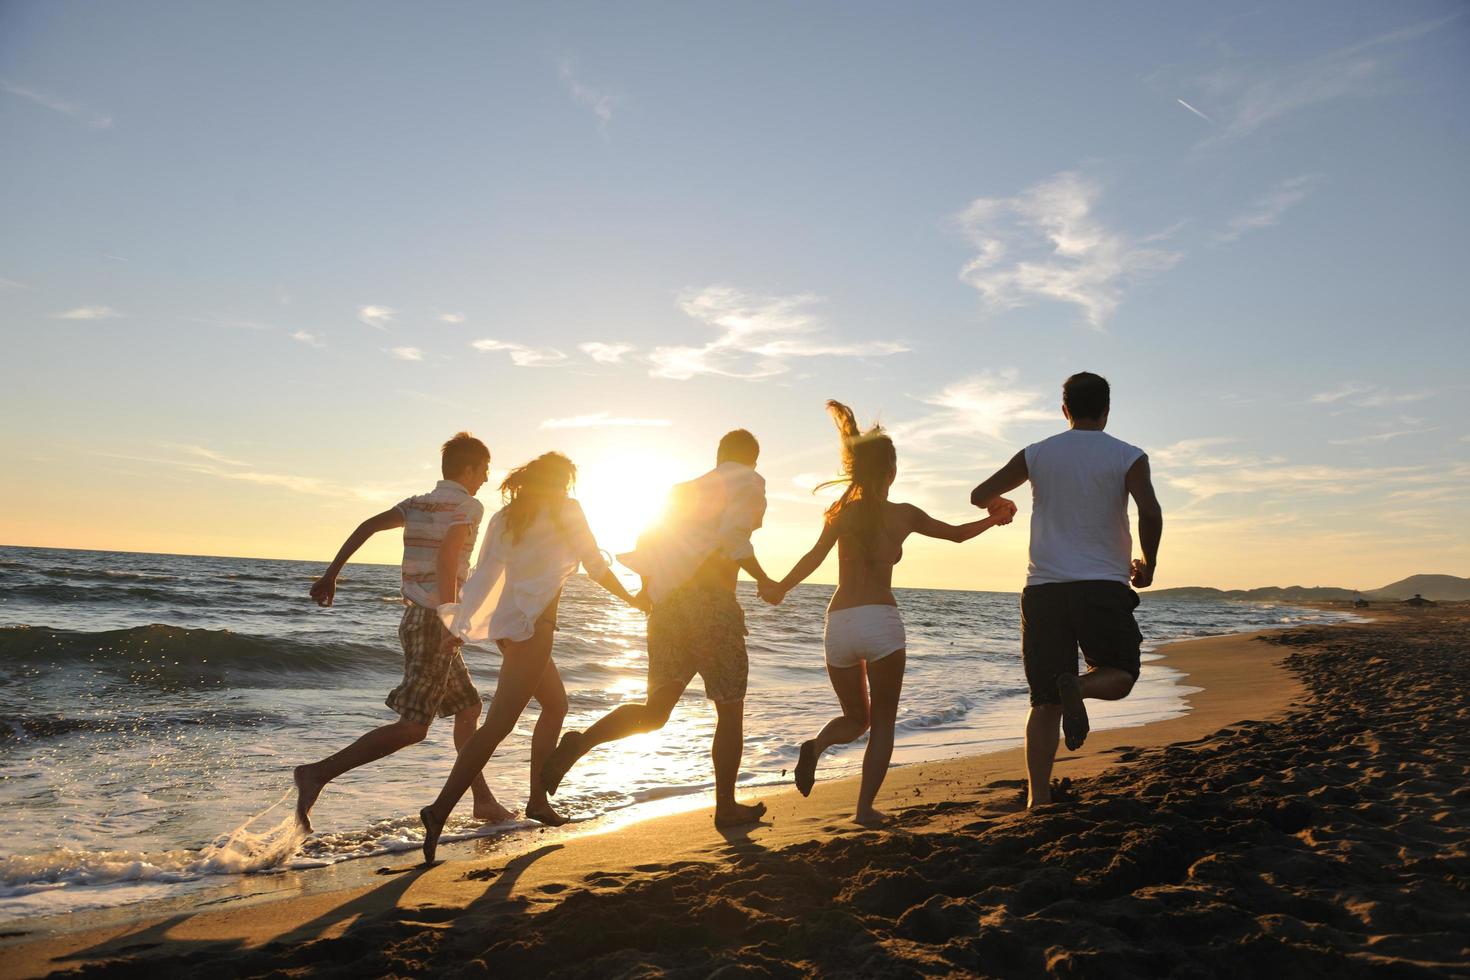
[[491, 811], [433, 827], [739, 814], [806, 767], [871, 818], [1074, 711], [566, 754], [543, 813], [307, 790]]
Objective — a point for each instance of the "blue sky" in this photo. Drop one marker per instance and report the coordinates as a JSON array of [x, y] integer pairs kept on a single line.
[[260, 259]]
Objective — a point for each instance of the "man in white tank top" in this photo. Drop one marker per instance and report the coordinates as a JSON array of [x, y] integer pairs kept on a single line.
[[1080, 571]]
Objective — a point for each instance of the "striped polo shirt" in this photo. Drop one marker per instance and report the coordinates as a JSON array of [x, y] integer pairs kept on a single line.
[[426, 518]]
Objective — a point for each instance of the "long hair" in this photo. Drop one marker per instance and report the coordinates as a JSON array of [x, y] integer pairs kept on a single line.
[[867, 460], [528, 489]]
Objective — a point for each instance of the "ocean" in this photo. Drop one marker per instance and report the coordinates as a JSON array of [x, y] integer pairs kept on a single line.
[[152, 705]]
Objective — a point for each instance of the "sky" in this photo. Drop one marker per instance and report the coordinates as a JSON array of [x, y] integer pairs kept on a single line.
[[260, 260]]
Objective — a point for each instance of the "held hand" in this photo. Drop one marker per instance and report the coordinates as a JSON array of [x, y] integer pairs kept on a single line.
[[642, 602], [1141, 574], [771, 592], [1002, 510], [324, 590]]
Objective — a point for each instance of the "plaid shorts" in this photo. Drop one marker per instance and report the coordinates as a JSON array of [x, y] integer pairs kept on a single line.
[[698, 631], [435, 679]]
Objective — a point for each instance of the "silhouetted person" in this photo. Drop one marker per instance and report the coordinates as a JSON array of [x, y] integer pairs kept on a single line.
[[864, 638], [1077, 585], [532, 546], [690, 561], [438, 537]]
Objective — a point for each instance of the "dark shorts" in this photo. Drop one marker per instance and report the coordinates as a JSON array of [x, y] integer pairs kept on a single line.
[[1059, 617], [698, 631], [435, 679]]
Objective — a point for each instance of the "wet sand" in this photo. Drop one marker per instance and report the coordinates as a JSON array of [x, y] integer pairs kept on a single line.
[[1307, 816]]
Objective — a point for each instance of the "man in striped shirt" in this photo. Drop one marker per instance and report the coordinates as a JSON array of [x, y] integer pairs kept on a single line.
[[439, 529]]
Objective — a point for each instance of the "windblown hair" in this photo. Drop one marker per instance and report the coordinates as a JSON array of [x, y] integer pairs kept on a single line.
[[527, 490], [867, 460], [459, 452]]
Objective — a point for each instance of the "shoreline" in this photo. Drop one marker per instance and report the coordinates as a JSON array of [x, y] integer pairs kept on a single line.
[[1239, 679]]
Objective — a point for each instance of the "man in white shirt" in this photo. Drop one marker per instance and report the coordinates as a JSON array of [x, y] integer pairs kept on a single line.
[[439, 530], [690, 562], [1077, 585]]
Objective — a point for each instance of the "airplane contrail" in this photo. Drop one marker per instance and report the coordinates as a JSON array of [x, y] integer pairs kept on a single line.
[[1195, 111]]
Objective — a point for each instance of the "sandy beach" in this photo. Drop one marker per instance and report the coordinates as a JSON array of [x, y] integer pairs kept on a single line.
[[1307, 816]]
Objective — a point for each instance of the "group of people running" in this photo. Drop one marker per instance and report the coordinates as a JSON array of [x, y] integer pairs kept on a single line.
[[1077, 595]]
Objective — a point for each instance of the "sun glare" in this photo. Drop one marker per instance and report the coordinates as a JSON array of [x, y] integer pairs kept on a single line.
[[623, 493]]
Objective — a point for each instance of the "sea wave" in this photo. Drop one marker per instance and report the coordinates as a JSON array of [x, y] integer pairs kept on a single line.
[[180, 654]]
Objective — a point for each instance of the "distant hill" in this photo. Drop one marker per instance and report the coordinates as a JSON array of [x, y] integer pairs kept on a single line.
[[1321, 593], [1440, 588]]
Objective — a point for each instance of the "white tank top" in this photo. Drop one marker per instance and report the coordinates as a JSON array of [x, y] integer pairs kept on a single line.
[[1079, 508]]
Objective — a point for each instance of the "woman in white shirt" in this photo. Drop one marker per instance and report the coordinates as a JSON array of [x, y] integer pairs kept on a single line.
[[531, 547]]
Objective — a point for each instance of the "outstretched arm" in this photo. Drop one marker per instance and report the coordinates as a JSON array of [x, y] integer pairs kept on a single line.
[[810, 561], [609, 581], [324, 589], [922, 523], [1140, 486], [1010, 476]]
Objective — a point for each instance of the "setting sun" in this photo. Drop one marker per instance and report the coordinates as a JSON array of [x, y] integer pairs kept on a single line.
[[622, 493]]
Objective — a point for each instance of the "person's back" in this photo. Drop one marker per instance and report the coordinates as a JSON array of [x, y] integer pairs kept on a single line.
[[1077, 593], [1079, 516]]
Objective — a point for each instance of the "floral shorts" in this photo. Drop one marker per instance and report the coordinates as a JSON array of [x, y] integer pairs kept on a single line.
[[435, 679], [698, 631]]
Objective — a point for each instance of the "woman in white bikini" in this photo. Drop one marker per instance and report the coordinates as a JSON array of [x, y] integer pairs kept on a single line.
[[864, 636], [532, 546]]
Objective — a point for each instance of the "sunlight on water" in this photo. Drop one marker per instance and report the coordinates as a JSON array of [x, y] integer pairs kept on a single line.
[[143, 727]]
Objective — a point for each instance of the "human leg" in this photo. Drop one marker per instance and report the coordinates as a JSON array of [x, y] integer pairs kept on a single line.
[[520, 673], [551, 695], [427, 658], [728, 746], [380, 742], [851, 687], [487, 807], [1043, 727], [885, 680], [621, 722]]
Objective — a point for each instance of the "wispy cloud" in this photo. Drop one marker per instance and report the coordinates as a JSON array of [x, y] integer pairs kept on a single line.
[[202, 461], [1267, 209], [600, 420], [310, 340], [12, 284], [1360, 395], [600, 103], [451, 317], [406, 353], [1200, 469], [88, 313], [235, 323], [606, 353], [1045, 243], [1378, 438], [988, 405], [521, 355], [1248, 98], [82, 115], [758, 335], [376, 316]]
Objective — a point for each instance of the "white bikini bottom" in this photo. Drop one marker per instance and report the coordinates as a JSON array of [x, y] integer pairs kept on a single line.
[[863, 633]]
